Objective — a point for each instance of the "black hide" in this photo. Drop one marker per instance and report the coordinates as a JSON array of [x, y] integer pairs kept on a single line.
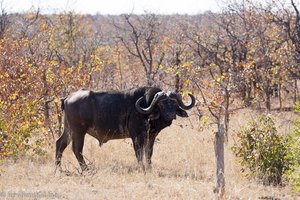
[[113, 115]]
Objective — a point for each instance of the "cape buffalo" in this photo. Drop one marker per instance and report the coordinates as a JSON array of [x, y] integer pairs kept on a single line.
[[139, 113]]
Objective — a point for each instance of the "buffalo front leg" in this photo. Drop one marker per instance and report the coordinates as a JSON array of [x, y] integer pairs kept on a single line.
[[138, 143], [77, 146], [61, 145], [149, 151]]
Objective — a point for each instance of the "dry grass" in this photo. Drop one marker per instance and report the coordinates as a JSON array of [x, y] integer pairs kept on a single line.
[[183, 168]]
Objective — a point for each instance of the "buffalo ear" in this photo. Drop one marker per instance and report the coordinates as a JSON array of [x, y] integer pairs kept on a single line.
[[181, 113]]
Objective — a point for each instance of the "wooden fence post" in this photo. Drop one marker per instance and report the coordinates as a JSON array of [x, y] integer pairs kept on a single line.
[[219, 153]]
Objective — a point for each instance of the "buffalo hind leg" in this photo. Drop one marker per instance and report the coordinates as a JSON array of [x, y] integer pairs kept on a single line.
[[77, 146], [61, 145]]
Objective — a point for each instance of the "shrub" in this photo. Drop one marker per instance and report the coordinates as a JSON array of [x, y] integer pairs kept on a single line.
[[294, 174], [263, 153]]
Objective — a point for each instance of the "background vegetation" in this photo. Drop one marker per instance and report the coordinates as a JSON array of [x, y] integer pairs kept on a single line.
[[245, 57]]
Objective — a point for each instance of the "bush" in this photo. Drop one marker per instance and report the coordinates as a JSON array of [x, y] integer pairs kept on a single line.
[[263, 153], [294, 175]]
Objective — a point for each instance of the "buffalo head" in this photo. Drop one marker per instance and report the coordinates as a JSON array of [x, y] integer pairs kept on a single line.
[[165, 106]]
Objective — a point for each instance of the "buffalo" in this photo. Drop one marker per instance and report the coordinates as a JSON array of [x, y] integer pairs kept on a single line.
[[139, 113]]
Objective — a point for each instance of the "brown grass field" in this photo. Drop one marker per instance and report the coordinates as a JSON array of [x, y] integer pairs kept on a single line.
[[183, 168]]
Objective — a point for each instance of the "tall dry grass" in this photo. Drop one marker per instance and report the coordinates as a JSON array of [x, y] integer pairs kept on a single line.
[[183, 168]]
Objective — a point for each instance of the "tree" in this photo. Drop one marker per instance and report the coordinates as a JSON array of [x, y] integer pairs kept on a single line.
[[213, 80], [141, 37], [4, 19], [289, 20]]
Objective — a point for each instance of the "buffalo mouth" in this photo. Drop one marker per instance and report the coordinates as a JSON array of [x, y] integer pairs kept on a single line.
[[167, 122]]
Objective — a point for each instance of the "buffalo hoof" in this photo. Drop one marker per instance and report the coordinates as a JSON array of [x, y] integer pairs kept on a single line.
[[148, 168], [57, 166], [62, 171], [88, 170]]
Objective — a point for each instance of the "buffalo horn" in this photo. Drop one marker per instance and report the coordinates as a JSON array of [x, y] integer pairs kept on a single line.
[[158, 96], [178, 97]]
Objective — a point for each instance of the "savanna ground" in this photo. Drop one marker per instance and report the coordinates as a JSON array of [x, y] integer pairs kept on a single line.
[[183, 168]]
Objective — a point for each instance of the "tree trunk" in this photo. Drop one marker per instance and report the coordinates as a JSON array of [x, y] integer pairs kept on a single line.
[[248, 97], [46, 104], [279, 96], [219, 152], [177, 83], [296, 91], [268, 92], [268, 101], [177, 77], [150, 81], [226, 114], [121, 71]]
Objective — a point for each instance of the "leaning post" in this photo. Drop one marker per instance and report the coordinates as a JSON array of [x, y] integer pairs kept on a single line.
[[219, 153]]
